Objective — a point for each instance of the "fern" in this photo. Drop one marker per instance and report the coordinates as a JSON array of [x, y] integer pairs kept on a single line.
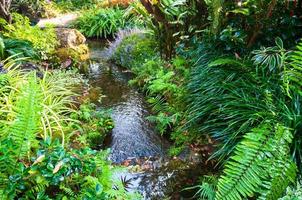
[[293, 75], [165, 115], [207, 190], [24, 129], [260, 163], [39, 188], [17, 139], [67, 191]]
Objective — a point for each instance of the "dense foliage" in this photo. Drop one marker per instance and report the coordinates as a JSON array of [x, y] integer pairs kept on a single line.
[[43, 41], [104, 23], [222, 74], [243, 96], [42, 153]]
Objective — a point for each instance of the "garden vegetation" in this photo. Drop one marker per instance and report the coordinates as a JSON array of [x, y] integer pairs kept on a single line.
[[225, 74]]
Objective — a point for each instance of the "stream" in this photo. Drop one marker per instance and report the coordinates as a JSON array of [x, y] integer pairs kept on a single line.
[[134, 142]]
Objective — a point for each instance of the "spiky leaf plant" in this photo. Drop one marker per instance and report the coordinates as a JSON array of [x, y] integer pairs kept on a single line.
[[57, 90]]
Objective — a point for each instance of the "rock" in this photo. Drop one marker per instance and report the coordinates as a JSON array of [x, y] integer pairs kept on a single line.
[[72, 45], [78, 53], [69, 38], [2, 70], [29, 66]]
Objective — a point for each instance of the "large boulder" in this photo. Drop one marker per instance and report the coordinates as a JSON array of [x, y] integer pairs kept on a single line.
[[70, 37], [71, 45]]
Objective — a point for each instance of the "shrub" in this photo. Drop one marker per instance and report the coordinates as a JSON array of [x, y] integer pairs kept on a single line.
[[16, 48], [103, 22], [95, 125], [135, 50], [68, 5], [55, 89], [60, 173], [44, 41], [119, 38], [110, 3], [32, 9]]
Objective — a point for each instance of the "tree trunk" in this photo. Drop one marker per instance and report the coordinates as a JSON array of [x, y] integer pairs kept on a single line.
[[257, 29], [5, 10]]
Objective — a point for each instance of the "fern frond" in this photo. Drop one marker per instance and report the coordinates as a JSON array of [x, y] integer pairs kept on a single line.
[[39, 188], [68, 191], [159, 104], [293, 75], [28, 108], [247, 171], [17, 139], [207, 190]]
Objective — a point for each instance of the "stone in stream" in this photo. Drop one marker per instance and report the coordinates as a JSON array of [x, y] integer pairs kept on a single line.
[[71, 45], [69, 37]]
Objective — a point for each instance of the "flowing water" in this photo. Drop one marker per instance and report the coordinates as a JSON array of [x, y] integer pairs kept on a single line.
[[133, 136], [134, 141]]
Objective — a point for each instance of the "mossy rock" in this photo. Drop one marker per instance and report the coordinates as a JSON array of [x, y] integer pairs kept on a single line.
[[78, 53]]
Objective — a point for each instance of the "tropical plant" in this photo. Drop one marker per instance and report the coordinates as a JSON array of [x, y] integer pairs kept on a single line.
[[253, 111], [94, 125], [166, 19], [261, 164], [226, 89], [207, 188], [103, 22], [77, 5], [65, 174], [111, 3], [56, 99], [33, 9], [120, 38], [37, 164], [18, 138]]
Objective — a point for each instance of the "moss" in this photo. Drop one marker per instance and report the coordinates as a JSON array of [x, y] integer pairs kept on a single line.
[[77, 53]]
